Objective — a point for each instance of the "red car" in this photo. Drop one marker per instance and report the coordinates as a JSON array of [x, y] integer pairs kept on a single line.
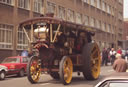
[[16, 65]]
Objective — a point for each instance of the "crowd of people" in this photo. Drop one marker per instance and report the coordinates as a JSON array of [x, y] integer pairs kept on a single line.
[[116, 58]]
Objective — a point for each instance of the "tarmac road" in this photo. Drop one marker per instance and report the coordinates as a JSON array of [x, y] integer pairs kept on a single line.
[[47, 81]]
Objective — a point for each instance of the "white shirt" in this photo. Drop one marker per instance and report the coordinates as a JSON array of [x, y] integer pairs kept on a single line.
[[112, 52]]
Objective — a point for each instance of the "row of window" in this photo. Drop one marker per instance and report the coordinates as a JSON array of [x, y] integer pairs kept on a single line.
[[25, 4], [101, 4], [79, 18], [9, 2]]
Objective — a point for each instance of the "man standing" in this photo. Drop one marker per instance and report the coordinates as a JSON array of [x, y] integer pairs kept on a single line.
[[104, 57], [112, 55], [120, 64], [24, 53]]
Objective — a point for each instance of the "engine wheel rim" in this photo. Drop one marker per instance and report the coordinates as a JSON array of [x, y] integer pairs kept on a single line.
[[35, 70], [95, 61], [68, 69]]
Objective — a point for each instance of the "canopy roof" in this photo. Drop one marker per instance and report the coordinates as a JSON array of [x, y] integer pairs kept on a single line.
[[52, 20]]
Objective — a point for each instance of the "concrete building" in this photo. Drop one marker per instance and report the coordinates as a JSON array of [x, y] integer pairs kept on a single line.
[[125, 34], [105, 16]]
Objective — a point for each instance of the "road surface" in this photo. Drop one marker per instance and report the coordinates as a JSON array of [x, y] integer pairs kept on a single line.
[[47, 81]]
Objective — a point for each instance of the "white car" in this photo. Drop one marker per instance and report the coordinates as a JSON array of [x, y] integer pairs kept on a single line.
[[115, 80], [3, 71]]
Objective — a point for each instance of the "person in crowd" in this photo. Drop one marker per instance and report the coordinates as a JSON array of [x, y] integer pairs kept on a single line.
[[119, 51], [112, 54], [120, 64], [104, 57], [126, 56], [109, 49], [24, 52]]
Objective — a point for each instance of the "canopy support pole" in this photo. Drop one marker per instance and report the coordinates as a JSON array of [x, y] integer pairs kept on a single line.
[[26, 34]]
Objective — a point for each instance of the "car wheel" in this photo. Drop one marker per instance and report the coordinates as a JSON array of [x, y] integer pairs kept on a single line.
[[2, 75], [21, 73]]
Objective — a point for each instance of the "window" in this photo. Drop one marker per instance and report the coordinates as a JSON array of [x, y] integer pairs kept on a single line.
[[99, 4], [109, 28], [24, 4], [92, 22], [118, 84], [38, 6], [10, 2], [98, 24], [6, 36], [108, 8], [51, 7], [120, 15], [103, 26], [70, 15], [103, 6], [86, 20], [112, 11], [22, 40], [112, 29], [86, 1], [79, 18], [93, 2], [25, 60], [61, 12]]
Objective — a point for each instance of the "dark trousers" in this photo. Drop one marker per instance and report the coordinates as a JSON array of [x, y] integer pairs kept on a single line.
[[105, 61], [112, 59]]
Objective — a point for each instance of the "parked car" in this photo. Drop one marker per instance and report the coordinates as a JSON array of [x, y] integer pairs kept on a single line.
[[16, 65], [115, 80], [3, 71]]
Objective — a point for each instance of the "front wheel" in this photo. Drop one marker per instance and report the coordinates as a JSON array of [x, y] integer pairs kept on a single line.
[[2, 75], [66, 69], [34, 69]]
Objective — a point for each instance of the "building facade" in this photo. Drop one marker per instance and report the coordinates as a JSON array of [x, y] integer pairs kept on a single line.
[[105, 16], [125, 34]]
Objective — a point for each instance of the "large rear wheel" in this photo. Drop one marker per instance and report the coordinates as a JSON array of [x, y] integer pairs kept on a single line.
[[33, 69], [66, 69], [91, 61]]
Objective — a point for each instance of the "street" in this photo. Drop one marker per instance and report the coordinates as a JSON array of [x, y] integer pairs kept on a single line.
[[47, 81]]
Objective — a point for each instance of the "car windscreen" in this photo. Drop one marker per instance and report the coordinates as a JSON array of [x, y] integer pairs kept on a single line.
[[11, 60], [118, 84]]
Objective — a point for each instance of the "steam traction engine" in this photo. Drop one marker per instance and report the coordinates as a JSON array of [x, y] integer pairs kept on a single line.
[[60, 48]]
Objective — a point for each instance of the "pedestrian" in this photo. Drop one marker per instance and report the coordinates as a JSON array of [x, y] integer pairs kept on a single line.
[[120, 64], [24, 52], [119, 51], [112, 54], [104, 57], [126, 56]]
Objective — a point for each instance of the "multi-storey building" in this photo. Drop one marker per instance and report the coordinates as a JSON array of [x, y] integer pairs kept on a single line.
[[125, 34], [104, 16]]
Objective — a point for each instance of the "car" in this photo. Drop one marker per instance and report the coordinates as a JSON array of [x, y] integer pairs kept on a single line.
[[16, 65], [3, 71], [115, 80]]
